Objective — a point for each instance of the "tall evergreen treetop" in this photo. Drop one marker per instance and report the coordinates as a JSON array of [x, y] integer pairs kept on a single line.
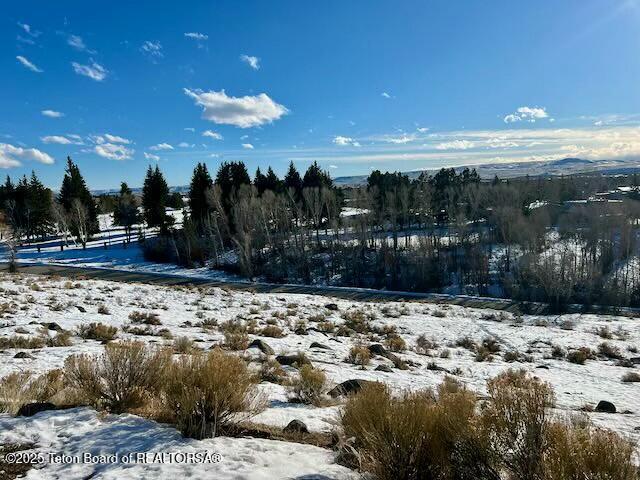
[[200, 183], [74, 186]]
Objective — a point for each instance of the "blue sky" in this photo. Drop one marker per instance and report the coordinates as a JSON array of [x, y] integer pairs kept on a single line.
[[354, 85]]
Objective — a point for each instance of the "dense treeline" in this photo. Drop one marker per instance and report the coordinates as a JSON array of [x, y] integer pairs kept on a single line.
[[541, 239]]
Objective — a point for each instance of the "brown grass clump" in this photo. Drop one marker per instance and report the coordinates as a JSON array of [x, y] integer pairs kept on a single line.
[[309, 386], [356, 320], [631, 377], [578, 450], [580, 356], [119, 379], [236, 340], [19, 388], [272, 331], [183, 345], [610, 351], [103, 310], [207, 393], [19, 341], [147, 318], [396, 343], [97, 331], [424, 345], [418, 435], [359, 355], [271, 371], [516, 422]]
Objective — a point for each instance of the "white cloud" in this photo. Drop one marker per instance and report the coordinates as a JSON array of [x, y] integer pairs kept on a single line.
[[59, 139], [11, 156], [212, 134], [189, 129], [151, 156], [243, 112], [94, 71], [247, 146], [186, 145], [455, 145], [152, 49], [109, 138], [253, 62], [161, 146], [402, 139], [196, 35], [526, 114], [422, 129], [77, 42], [28, 64], [345, 141], [114, 151], [333, 166], [52, 113], [28, 30], [385, 95]]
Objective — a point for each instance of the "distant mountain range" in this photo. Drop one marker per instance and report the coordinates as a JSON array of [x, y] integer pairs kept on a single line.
[[565, 166]]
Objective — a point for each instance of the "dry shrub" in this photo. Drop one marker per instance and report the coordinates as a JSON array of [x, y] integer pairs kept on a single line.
[[19, 388], [417, 435], [631, 377], [326, 326], [356, 320], [18, 341], [97, 331], [272, 371], [120, 378], [580, 355], [273, 331], [609, 351], [578, 450], [103, 310], [424, 345], [359, 355], [309, 386], [515, 422], [207, 393], [183, 345], [466, 342], [236, 340], [147, 318], [396, 343]]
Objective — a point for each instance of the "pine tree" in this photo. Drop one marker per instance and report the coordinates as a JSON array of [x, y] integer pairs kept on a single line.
[[272, 182], [293, 181], [200, 183], [230, 177], [39, 200], [126, 212], [74, 187], [260, 181], [315, 177], [155, 193]]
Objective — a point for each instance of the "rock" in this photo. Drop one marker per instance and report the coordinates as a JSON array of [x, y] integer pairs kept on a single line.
[[22, 355], [543, 367], [635, 360], [30, 409], [262, 346], [53, 326], [81, 309], [295, 426], [384, 368], [331, 306], [319, 345], [378, 349], [290, 360], [348, 387], [605, 407]]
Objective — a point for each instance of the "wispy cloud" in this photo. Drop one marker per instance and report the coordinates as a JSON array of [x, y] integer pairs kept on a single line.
[[197, 36], [94, 71], [77, 42], [28, 64], [52, 113], [151, 156], [253, 62], [28, 29], [385, 95], [62, 139], [161, 146], [455, 145], [12, 156], [247, 146], [212, 134], [243, 112], [152, 49]]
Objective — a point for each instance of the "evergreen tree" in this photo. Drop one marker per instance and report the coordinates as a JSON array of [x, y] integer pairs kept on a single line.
[[272, 182], [126, 212], [155, 193], [200, 183], [74, 187], [260, 181], [293, 181], [315, 177], [39, 204], [230, 177]]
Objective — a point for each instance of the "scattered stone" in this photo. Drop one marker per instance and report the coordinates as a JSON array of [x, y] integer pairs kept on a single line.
[[262, 346], [377, 349], [384, 368], [295, 426], [605, 407], [348, 387], [30, 409], [331, 306], [635, 360], [22, 355], [81, 309], [543, 367], [53, 326], [290, 360], [319, 345]]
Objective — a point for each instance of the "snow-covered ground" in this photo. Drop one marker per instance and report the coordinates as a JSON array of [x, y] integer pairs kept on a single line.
[[33, 300]]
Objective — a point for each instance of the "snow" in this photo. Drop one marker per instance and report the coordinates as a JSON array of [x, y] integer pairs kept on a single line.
[[181, 309], [81, 431]]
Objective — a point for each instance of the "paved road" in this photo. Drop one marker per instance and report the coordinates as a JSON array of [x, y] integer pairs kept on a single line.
[[356, 294]]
